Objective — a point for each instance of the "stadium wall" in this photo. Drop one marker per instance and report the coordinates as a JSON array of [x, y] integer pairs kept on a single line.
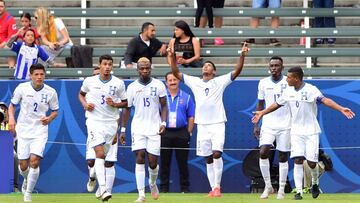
[[64, 169]]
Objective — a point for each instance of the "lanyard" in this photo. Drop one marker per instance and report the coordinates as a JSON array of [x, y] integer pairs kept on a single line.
[[177, 102]]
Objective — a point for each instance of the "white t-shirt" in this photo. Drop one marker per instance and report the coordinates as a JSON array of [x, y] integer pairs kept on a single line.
[[59, 24], [303, 107], [34, 104], [270, 91], [97, 91], [208, 98], [145, 99]]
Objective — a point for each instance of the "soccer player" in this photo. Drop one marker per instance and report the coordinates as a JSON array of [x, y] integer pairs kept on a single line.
[[148, 96], [275, 126], [302, 99], [35, 99], [210, 115], [101, 96]]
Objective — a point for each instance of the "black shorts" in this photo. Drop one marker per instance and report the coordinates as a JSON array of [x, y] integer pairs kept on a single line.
[[218, 3]]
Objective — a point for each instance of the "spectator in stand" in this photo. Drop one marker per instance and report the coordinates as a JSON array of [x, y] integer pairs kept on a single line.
[[7, 29], [218, 19], [54, 35], [201, 4], [185, 46], [324, 21], [143, 45], [25, 21], [275, 21]]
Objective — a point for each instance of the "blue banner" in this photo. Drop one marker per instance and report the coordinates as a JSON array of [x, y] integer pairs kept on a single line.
[[64, 169], [6, 162]]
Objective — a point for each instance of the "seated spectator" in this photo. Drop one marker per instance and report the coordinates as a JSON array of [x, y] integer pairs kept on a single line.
[[27, 54], [275, 21], [96, 71], [54, 35], [143, 45], [185, 46], [7, 29], [324, 21], [25, 21]]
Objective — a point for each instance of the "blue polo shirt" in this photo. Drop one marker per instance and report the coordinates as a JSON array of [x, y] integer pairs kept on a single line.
[[183, 106]]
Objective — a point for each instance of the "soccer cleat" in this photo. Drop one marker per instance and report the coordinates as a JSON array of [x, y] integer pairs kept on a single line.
[[154, 191], [140, 199], [98, 193], [211, 193], [23, 187], [280, 195], [267, 192], [315, 191], [217, 192], [91, 184], [298, 196], [27, 197], [105, 196]]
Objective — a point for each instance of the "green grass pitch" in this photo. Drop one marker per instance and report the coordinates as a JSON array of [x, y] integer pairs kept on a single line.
[[179, 198]]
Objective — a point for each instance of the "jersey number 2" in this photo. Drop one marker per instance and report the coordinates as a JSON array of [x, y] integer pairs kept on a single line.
[[35, 107]]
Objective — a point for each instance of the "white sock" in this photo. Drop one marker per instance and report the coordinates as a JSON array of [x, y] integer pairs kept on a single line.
[[100, 174], [92, 172], [32, 179], [265, 171], [283, 172], [210, 174], [298, 177], [218, 169], [315, 175], [153, 174], [140, 178], [25, 173], [110, 177]]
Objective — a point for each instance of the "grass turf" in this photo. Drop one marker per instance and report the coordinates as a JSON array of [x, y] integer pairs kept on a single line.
[[178, 198]]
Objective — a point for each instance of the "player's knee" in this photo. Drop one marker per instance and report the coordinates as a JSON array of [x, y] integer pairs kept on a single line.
[[216, 155], [23, 165], [283, 156], [152, 165], [209, 160], [100, 154], [34, 163], [311, 164], [109, 164], [91, 163], [299, 160]]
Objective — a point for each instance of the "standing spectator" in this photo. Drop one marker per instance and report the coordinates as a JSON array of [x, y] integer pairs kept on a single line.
[[144, 45], [275, 21], [218, 19], [185, 46], [179, 122], [148, 96], [25, 21], [7, 29], [4, 116], [201, 4], [305, 130], [28, 53], [35, 99], [54, 35], [324, 21], [210, 115]]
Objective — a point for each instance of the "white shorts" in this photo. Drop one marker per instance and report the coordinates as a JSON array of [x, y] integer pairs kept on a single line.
[[101, 133], [210, 138], [305, 146], [111, 155], [282, 137], [151, 143], [27, 146]]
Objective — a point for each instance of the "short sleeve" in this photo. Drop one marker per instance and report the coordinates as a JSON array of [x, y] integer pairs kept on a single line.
[[16, 46], [54, 102], [59, 24], [42, 54], [162, 90], [189, 80], [224, 80], [130, 96], [261, 92], [16, 98], [317, 94], [122, 91], [85, 86], [282, 99]]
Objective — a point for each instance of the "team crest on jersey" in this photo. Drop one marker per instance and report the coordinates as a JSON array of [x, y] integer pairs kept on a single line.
[[153, 91], [181, 101], [44, 98], [112, 90], [304, 96]]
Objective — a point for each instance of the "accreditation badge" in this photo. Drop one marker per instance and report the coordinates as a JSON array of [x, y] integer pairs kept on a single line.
[[172, 119]]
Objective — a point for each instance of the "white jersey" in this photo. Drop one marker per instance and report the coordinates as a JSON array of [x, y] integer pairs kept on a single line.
[[208, 98], [303, 107], [145, 99], [34, 104], [270, 90], [97, 91]]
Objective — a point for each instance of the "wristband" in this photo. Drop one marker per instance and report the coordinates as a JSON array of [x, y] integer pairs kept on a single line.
[[123, 129], [163, 123]]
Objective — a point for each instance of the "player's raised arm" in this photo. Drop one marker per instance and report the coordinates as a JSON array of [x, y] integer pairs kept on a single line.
[[259, 114], [332, 104], [239, 66], [173, 65]]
